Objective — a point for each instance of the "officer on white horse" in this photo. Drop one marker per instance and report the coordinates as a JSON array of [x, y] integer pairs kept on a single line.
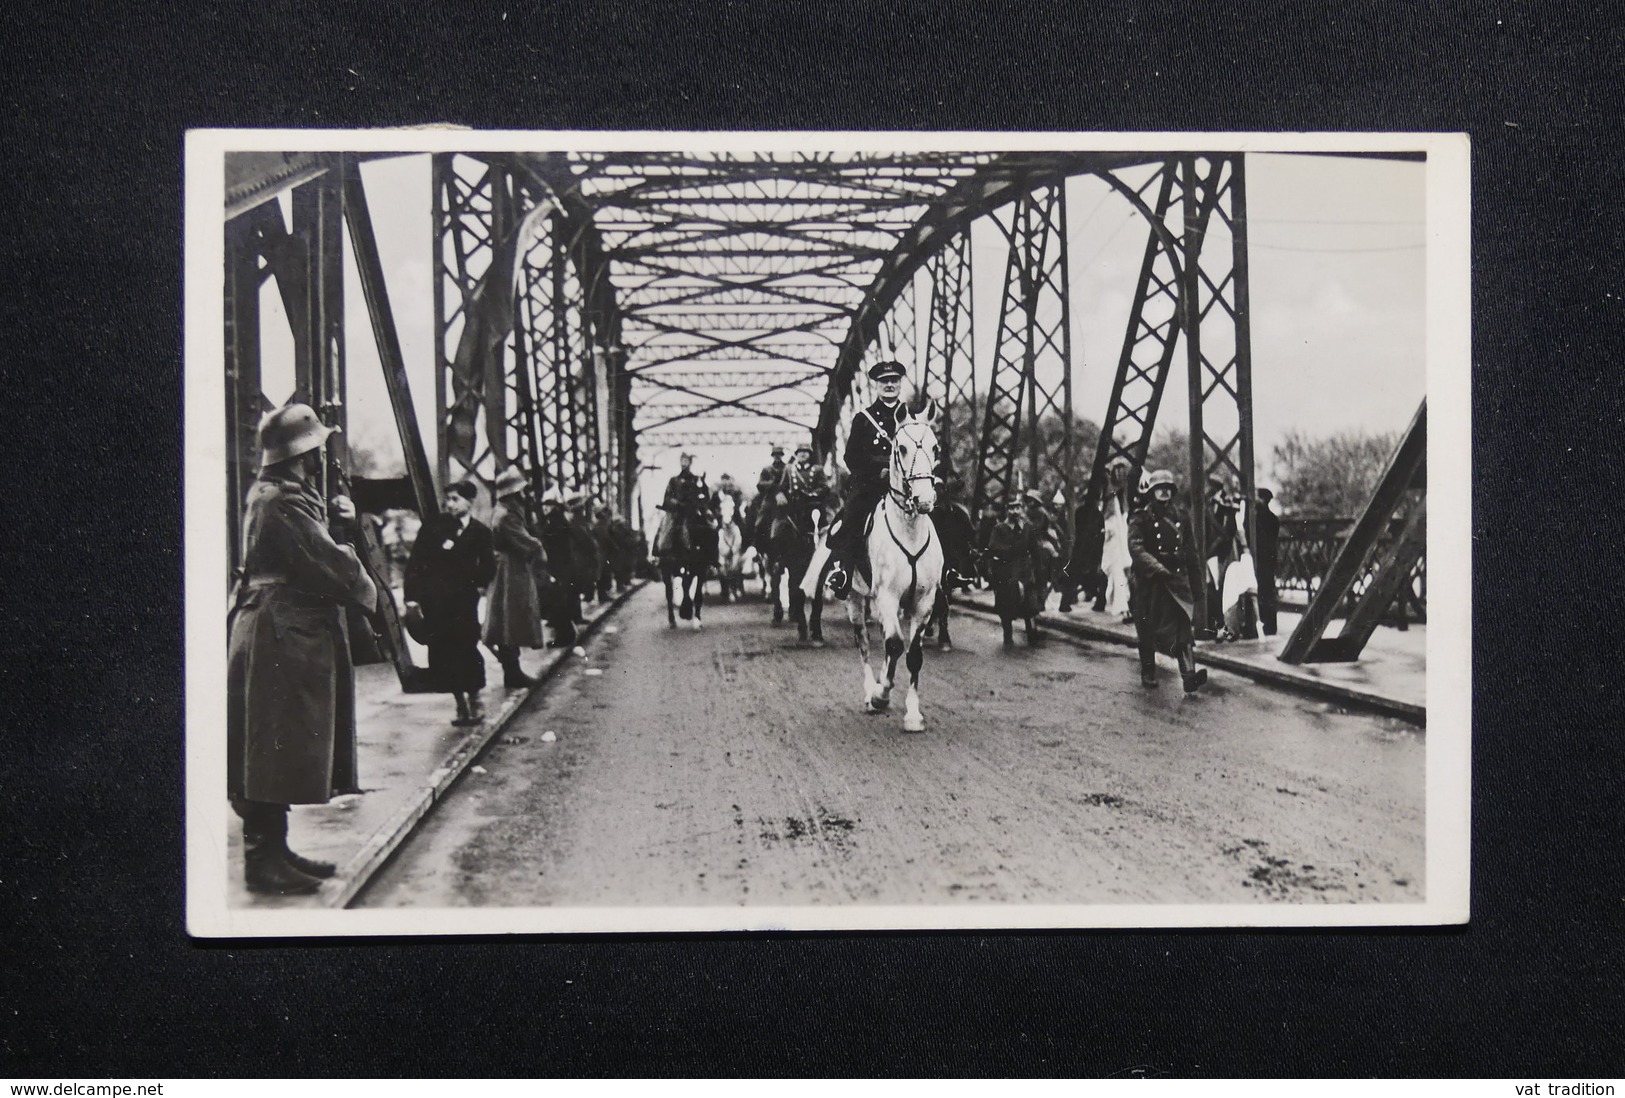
[[868, 459]]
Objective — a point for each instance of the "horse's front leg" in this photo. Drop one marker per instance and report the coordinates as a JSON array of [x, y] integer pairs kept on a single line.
[[913, 719], [816, 630], [699, 597], [671, 606], [857, 613], [886, 612], [798, 608]]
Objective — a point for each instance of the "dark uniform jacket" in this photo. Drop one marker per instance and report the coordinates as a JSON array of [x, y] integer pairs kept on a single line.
[[448, 572], [868, 445], [805, 488], [1164, 553], [771, 476], [687, 494], [290, 686]]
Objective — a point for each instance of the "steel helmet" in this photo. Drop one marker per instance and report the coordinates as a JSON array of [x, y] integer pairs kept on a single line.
[[290, 431], [1157, 480]]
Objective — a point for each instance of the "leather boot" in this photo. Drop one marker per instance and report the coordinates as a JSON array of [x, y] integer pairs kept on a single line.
[[513, 676], [1148, 672], [839, 582], [266, 869], [1192, 676], [462, 710], [310, 867]]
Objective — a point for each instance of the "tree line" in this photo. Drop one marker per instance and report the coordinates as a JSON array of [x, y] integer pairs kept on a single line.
[[1330, 476]]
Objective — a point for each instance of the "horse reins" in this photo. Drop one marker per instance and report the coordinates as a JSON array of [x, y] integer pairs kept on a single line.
[[906, 497]]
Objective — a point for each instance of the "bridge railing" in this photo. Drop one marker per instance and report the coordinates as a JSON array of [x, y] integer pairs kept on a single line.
[[1306, 549]]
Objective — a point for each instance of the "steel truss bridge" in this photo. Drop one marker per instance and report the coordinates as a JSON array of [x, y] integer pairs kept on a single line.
[[589, 305]]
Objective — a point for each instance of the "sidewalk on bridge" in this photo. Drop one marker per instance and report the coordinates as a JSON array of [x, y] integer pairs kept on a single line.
[[409, 755], [1390, 675]]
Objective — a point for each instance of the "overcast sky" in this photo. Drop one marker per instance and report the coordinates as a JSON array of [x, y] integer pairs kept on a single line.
[[1337, 266]]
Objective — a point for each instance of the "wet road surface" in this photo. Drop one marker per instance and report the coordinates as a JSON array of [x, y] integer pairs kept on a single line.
[[734, 766]]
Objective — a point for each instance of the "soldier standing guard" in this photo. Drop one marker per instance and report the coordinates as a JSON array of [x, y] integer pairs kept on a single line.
[[1165, 558], [290, 686], [868, 459]]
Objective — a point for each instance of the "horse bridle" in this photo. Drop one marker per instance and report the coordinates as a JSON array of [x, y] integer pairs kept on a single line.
[[906, 498]]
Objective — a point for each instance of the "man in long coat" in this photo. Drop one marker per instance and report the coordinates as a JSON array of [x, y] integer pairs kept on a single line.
[[563, 605], [1165, 559], [290, 686], [1268, 526], [452, 562], [513, 616]]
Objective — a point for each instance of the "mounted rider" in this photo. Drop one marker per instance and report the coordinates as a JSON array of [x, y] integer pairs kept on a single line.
[[868, 459], [686, 496], [802, 489], [772, 474]]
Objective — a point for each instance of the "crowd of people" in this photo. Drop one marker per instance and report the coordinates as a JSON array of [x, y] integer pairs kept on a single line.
[[290, 727], [290, 724]]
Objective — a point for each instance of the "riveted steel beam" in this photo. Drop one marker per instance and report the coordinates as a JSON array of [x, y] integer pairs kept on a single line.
[[1028, 411]]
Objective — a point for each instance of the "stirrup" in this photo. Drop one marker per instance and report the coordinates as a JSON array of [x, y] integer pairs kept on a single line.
[[839, 583]]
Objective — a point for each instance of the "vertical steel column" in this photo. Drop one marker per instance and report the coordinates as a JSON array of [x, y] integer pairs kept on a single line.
[[1189, 300], [629, 436], [1153, 329], [1001, 417], [245, 399], [1032, 371], [441, 178], [565, 368], [497, 399], [950, 377], [369, 269], [1244, 340], [466, 248], [536, 320]]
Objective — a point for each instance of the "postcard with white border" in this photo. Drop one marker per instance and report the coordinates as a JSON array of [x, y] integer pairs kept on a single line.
[[628, 532]]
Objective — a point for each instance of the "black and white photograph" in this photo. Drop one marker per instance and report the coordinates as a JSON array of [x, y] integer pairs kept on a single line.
[[617, 531]]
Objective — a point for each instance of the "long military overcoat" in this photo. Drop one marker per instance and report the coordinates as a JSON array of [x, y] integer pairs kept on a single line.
[[1164, 555], [290, 687], [513, 611]]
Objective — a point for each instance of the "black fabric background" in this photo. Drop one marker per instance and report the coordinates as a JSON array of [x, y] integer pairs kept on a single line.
[[98, 975]]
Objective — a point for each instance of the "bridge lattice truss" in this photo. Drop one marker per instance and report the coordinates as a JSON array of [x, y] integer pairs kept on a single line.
[[589, 306]]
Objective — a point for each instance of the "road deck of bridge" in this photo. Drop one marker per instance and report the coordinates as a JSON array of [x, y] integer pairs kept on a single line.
[[734, 767]]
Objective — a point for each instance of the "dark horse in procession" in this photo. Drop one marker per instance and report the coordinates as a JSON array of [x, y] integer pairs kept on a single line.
[[793, 523], [686, 545]]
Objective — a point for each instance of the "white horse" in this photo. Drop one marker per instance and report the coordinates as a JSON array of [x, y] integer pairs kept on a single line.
[[730, 550], [905, 559]]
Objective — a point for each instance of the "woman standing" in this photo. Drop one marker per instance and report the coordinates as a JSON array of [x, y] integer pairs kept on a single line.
[[1164, 560], [451, 563], [513, 615]]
